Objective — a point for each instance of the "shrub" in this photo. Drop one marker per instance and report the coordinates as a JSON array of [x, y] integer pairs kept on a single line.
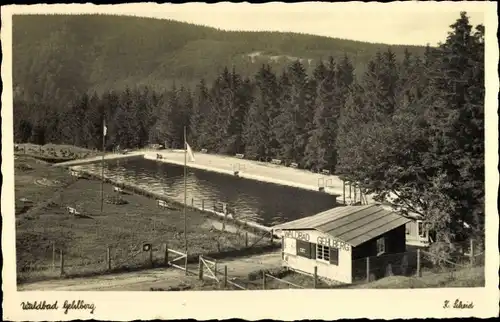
[[116, 200]]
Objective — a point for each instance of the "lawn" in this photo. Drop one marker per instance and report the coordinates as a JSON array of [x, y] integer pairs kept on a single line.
[[465, 277], [36, 182], [85, 239]]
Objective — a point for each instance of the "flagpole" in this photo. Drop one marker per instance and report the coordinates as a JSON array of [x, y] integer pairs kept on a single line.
[[102, 163], [185, 191]]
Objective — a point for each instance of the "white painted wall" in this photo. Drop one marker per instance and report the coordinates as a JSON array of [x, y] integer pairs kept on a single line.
[[342, 272], [413, 234]]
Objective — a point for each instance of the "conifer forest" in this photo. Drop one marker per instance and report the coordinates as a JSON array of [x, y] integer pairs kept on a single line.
[[409, 124]]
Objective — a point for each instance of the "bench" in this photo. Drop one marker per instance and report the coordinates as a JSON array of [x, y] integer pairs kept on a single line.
[[204, 150], [118, 189], [162, 203], [156, 146], [294, 165], [72, 210], [240, 156], [159, 156], [79, 175], [325, 172], [276, 161]]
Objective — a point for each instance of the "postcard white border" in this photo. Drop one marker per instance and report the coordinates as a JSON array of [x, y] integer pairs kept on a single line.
[[284, 305]]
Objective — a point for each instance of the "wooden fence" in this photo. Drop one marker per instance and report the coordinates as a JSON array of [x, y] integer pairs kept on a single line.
[[59, 259], [210, 265], [265, 276]]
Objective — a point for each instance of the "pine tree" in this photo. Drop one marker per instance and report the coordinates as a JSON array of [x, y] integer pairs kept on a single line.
[[92, 126], [320, 151], [283, 126], [198, 126], [389, 77], [257, 133], [158, 132], [237, 106], [291, 122], [245, 100], [174, 129], [76, 120], [457, 150], [185, 110], [143, 114]]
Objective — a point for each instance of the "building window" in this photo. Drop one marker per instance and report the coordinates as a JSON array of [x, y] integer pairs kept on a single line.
[[380, 246], [304, 249], [334, 256], [323, 253]]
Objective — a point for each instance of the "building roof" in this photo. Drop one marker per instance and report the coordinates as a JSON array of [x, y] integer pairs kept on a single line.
[[352, 224]]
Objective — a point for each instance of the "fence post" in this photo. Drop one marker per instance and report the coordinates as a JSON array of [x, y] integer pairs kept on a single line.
[[246, 238], [53, 255], [224, 222], [418, 263], [343, 189], [225, 276], [215, 268], [367, 269], [272, 236], [203, 204], [166, 254], [108, 257], [315, 276], [62, 263], [186, 263], [282, 247], [472, 251], [263, 280], [151, 255], [192, 201], [200, 268]]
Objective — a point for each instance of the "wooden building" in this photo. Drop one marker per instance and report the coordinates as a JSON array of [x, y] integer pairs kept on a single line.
[[333, 239], [417, 234]]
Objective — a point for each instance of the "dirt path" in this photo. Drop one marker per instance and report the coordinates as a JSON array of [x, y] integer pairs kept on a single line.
[[241, 267], [126, 281], [158, 278]]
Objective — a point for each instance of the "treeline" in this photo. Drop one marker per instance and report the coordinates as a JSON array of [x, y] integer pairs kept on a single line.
[[292, 116], [412, 129]]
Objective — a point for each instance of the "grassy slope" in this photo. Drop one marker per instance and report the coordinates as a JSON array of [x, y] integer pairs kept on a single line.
[[467, 277], [84, 240], [100, 52]]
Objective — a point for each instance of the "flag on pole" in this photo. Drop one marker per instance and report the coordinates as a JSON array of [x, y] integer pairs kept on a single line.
[[104, 128], [189, 152]]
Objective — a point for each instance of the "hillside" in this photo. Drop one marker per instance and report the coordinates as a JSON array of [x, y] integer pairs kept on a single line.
[[56, 56]]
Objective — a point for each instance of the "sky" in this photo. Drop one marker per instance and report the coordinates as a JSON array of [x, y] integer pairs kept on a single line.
[[406, 23], [409, 23]]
